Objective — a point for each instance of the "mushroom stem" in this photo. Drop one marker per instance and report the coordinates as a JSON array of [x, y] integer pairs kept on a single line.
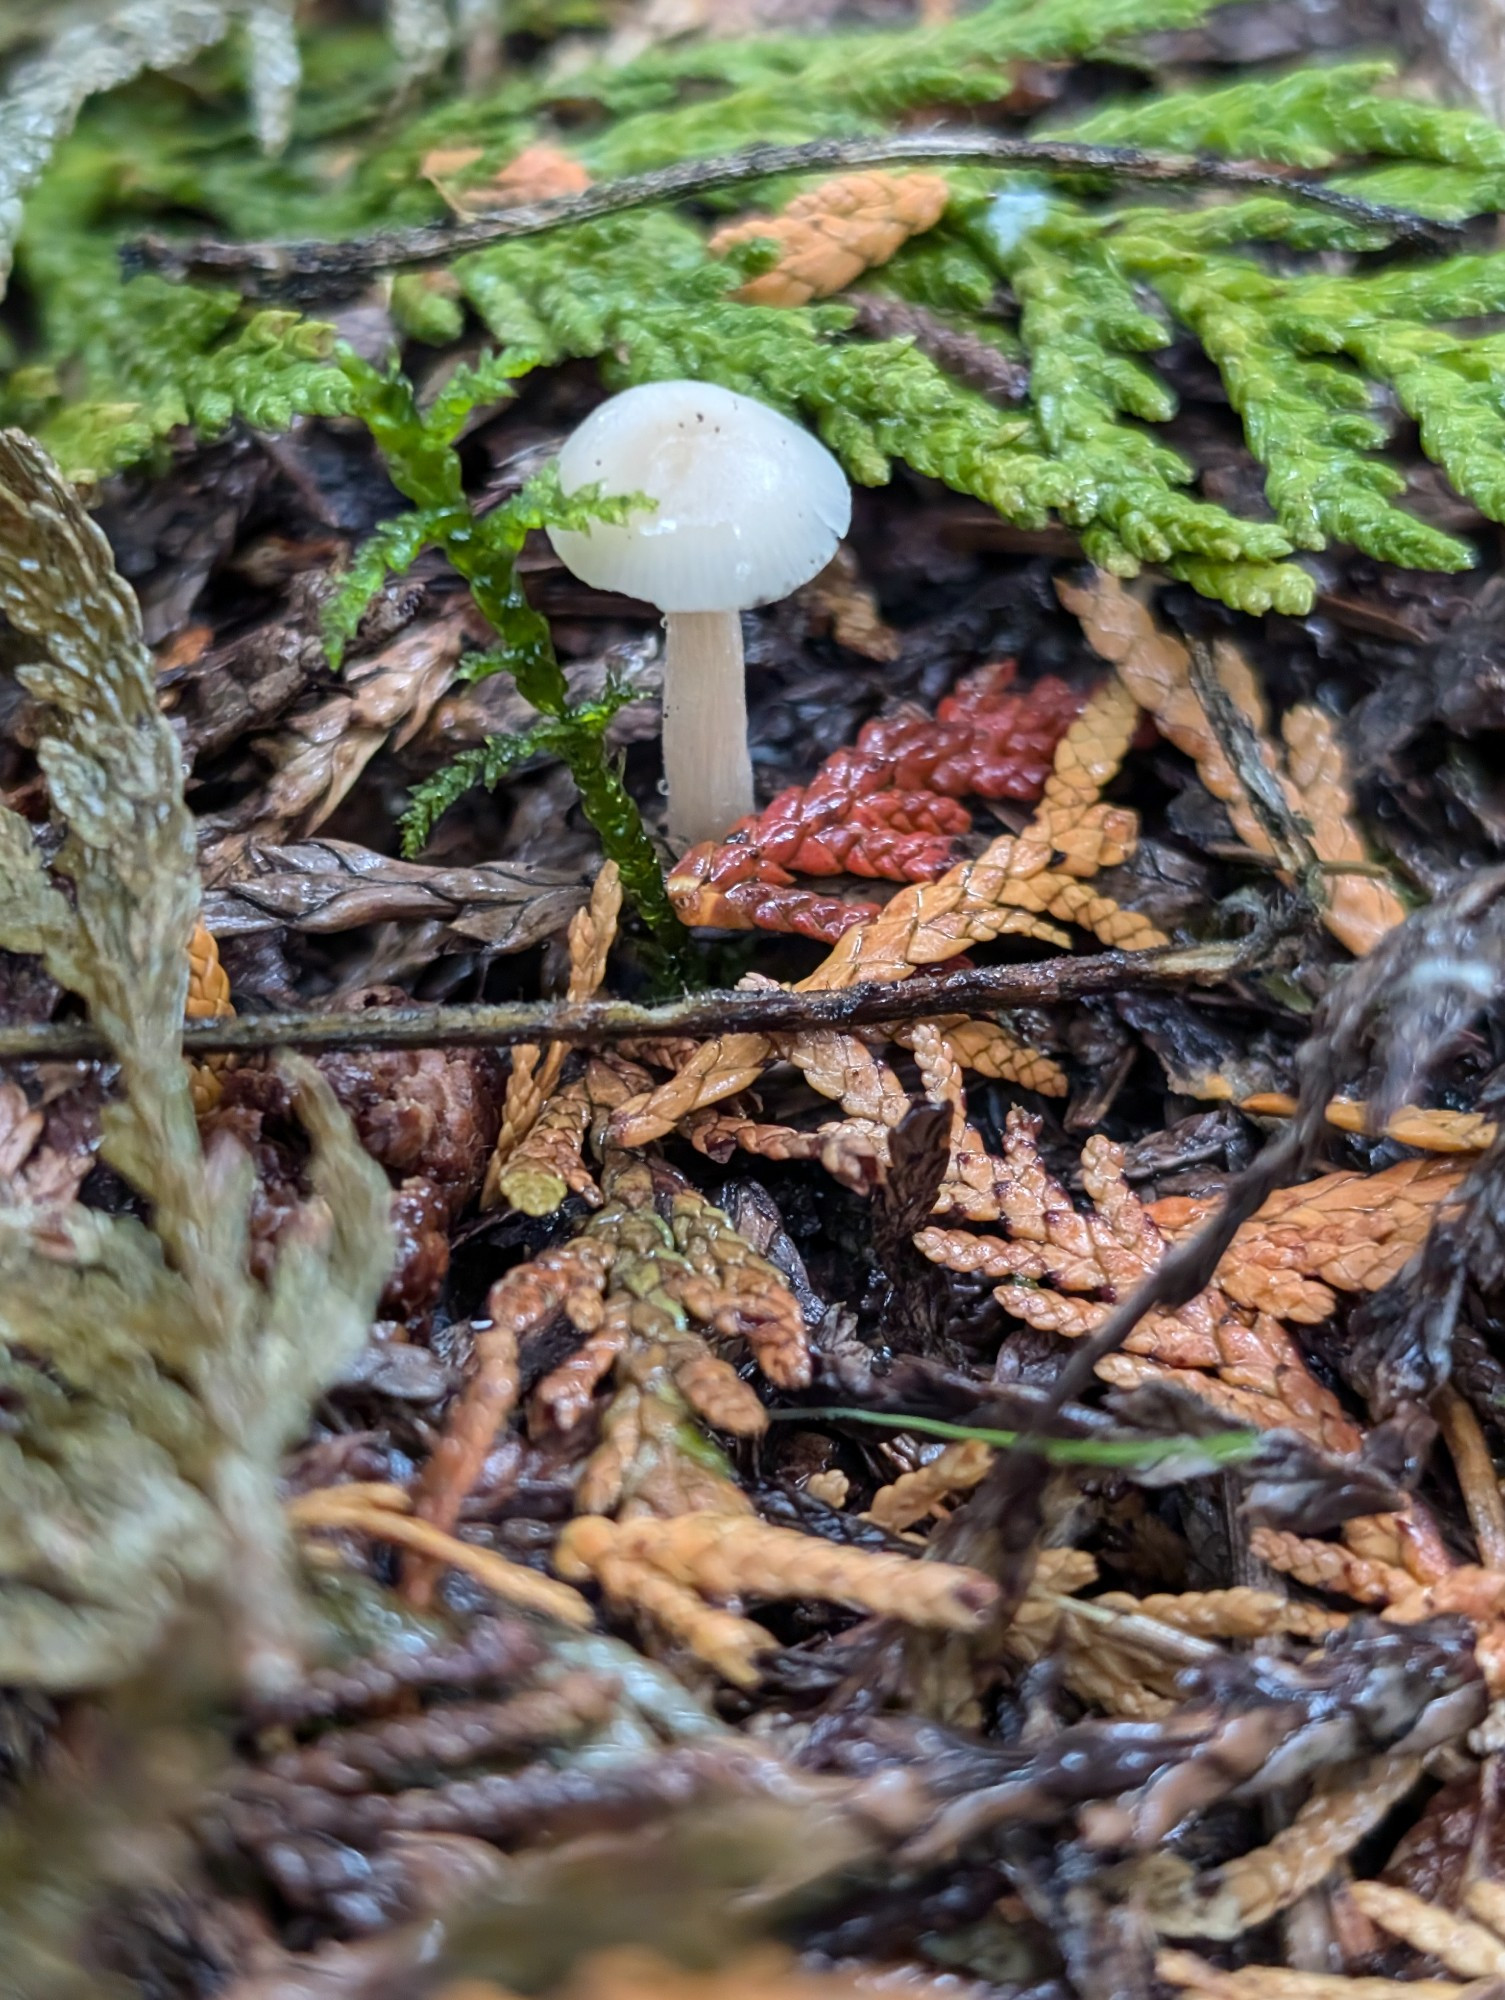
[[705, 725]]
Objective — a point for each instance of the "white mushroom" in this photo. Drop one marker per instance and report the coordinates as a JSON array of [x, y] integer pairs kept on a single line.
[[749, 507]]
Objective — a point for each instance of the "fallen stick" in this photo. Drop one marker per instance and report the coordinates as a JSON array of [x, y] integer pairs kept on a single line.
[[779, 1010]]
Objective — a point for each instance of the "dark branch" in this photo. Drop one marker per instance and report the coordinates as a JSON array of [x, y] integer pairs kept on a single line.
[[313, 270], [780, 1011]]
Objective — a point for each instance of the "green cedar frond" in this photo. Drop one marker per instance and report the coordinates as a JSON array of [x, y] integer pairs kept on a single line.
[[46, 94], [151, 1381], [1097, 284]]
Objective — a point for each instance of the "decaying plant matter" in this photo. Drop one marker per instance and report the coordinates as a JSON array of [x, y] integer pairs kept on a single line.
[[910, 1397]]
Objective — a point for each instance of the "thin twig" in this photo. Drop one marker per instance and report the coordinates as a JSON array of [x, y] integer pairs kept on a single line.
[[776, 1011], [313, 269], [1476, 1474], [1239, 742]]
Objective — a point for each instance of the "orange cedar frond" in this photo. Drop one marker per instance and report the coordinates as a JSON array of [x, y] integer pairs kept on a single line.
[[731, 1557], [988, 1049], [208, 1000], [1471, 1950], [538, 173], [1072, 1264], [1350, 1231], [535, 1073], [1238, 1613], [359, 1512], [1430, 1131], [913, 1495], [703, 1556], [1007, 890], [564, 1395], [1156, 669], [567, 1279], [587, 1550], [1359, 906], [738, 1292], [768, 1972], [470, 1430], [1327, 1566], [208, 982], [833, 233]]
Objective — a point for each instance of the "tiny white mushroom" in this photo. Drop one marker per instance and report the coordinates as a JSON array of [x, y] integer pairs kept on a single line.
[[749, 507]]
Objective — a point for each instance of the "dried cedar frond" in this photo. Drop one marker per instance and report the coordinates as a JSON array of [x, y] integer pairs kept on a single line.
[[1184, 1969], [1357, 908], [668, 1568], [1058, 1265], [535, 1073], [767, 1972], [837, 596], [1011, 889], [1472, 1951], [342, 1507], [913, 1495], [1429, 1130], [1227, 1901], [831, 234]]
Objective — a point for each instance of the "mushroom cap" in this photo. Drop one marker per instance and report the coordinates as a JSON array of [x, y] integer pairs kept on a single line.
[[749, 505]]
